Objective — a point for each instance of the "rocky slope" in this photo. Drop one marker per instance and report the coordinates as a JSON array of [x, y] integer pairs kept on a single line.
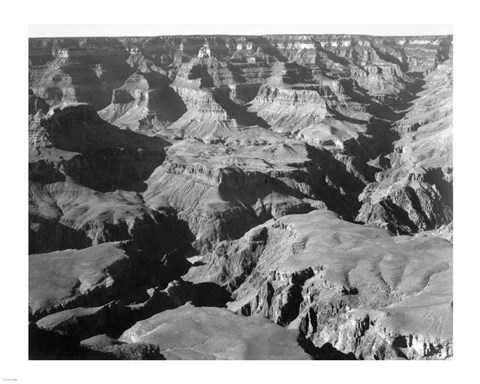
[[221, 190], [246, 173], [356, 287], [214, 333], [416, 192]]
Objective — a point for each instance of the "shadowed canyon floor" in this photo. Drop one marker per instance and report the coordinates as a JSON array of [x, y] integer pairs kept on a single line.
[[241, 197]]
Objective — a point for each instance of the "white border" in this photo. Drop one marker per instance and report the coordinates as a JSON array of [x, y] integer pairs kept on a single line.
[[13, 277]]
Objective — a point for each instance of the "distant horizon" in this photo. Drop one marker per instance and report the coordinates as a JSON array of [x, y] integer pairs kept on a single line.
[[235, 35], [118, 30]]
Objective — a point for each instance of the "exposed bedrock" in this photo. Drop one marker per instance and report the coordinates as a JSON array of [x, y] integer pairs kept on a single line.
[[328, 114], [107, 288], [355, 287], [145, 103], [101, 274], [73, 144], [84, 174], [37, 107], [51, 345], [83, 322], [77, 69], [63, 71], [222, 190], [416, 192], [188, 333], [68, 279], [419, 200], [66, 215]]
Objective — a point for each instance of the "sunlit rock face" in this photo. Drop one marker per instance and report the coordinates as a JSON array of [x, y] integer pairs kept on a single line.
[[359, 288], [301, 183], [416, 192]]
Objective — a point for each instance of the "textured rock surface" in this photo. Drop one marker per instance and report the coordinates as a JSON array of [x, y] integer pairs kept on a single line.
[[229, 171], [222, 190], [48, 345], [190, 333], [144, 102], [356, 287], [73, 144], [416, 193], [77, 70], [83, 322], [97, 275], [66, 215], [71, 278]]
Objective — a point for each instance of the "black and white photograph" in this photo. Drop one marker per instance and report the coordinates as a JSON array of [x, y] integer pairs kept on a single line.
[[241, 197], [266, 192]]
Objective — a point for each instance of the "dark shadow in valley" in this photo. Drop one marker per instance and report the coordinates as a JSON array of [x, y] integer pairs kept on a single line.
[[332, 56], [109, 158], [297, 74], [50, 345], [200, 71], [238, 112], [359, 95], [178, 293], [341, 199], [327, 177], [326, 352], [97, 89], [245, 93], [390, 58], [51, 235], [236, 73], [437, 176]]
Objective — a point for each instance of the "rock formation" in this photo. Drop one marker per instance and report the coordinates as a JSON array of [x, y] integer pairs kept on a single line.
[[319, 274], [215, 333], [416, 192], [241, 197]]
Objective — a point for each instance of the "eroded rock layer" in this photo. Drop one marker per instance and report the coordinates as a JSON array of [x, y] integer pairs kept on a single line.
[[359, 288], [416, 192]]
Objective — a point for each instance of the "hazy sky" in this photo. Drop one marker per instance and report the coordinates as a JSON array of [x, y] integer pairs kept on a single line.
[[72, 30]]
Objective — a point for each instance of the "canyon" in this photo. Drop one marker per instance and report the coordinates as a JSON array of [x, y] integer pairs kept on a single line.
[[241, 197]]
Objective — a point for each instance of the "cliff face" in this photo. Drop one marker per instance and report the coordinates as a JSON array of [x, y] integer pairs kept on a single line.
[[356, 287], [85, 178], [77, 70], [416, 192], [145, 101], [267, 161]]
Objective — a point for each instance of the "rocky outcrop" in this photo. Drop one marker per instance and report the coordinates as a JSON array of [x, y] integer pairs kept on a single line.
[[378, 65], [190, 333], [67, 215], [50, 345], [84, 174], [144, 103], [416, 192], [95, 276], [73, 144], [355, 287], [68, 279], [82, 322], [222, 190], [64, 71], [37, 107]]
